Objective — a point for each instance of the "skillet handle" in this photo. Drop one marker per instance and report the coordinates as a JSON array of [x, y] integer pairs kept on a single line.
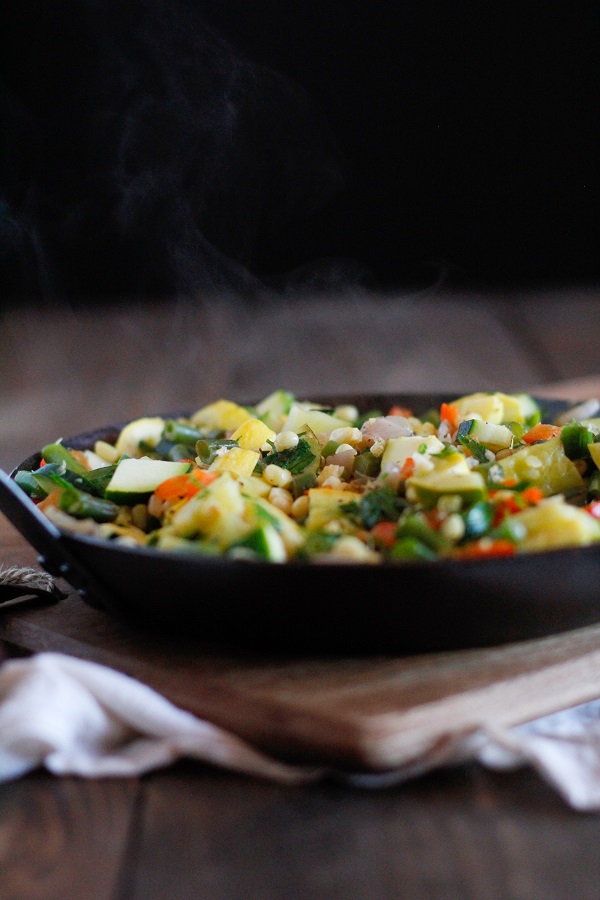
[[42, 534]]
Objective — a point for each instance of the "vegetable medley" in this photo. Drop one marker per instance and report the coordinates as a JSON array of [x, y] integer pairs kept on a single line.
[[482, 475]]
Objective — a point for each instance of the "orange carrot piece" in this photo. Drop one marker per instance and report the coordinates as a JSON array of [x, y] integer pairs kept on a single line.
[[80, 456], [408, 467], [450, 414], [203, 476], [50, 499], [397, 410], [484, 548], [177, 486], [532, 495], [180, 486], [541, 432]]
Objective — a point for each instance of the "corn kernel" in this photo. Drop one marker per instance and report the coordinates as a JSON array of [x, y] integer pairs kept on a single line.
[[352, 436], [453, 527], [286, 440], [330, 475], [347, 448], [333, 481], [282, 499], [277, 476], [300, 508]]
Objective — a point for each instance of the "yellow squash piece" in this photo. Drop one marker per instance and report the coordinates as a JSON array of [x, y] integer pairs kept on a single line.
[[519, 407], [430, 486], [450, 475], [252, 486], [239, 463], [544, 465], [398, 450], [222, 415], [147, 430], [496, 407], [302, 415], [217, 513], [554, 523], [325, 506], [489, 407], [595, 453], [252, 434]]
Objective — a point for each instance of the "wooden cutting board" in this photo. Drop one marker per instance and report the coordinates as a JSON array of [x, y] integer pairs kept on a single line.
[[360, 713]]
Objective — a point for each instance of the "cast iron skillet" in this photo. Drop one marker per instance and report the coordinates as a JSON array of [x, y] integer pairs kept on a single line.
[[319, 608]]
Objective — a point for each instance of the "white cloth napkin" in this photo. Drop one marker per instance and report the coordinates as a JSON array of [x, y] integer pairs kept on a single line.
[[563, 748], [76, 717]]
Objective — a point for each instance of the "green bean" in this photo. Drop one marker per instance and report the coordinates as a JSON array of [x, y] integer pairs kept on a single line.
[[57, 453], [82, 506], [77, 503], [181, 433], [207, 450]]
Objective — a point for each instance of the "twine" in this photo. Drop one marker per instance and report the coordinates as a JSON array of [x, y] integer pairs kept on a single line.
[[28, 578]]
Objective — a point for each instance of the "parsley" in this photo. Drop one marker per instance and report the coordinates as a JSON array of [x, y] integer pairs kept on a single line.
[[375, 505], [295, 460], [477, 449]]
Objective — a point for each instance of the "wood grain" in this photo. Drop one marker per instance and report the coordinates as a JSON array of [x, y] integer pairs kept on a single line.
[[42, 853], [458, 835]]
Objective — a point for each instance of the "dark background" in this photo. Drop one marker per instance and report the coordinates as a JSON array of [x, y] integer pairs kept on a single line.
[[156, 148]]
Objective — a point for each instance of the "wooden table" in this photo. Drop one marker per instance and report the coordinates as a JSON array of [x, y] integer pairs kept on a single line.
[[196, 832]]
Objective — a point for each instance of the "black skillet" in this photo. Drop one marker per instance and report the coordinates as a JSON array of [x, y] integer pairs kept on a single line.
[[319, 608]]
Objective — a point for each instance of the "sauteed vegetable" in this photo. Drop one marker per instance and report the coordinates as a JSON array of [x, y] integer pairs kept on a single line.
[[482, 475]]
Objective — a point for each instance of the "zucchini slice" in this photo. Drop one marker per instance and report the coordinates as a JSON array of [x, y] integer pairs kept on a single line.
[[134, 480]]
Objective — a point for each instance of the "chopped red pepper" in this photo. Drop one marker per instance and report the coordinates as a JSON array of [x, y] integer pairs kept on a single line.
[[384, 533], [594, 508], [507, 507], [434, 518]]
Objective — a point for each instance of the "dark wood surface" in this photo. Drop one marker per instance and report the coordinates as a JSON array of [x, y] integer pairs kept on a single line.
[[195, 832]]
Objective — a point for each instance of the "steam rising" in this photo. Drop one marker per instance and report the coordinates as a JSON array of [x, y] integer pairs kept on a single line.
[[163, 159]]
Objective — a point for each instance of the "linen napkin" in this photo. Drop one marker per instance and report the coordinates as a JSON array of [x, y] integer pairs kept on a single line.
[[76, 717]]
